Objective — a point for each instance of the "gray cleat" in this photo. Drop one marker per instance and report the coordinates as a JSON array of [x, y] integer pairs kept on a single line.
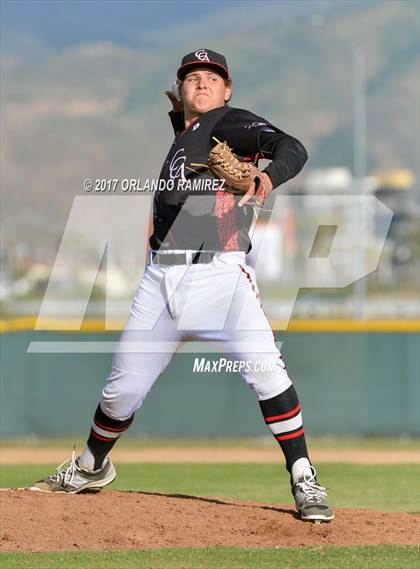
[[311, 498], [69, 477]]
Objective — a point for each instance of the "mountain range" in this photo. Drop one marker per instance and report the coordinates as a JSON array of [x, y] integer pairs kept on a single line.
[[78, 106]]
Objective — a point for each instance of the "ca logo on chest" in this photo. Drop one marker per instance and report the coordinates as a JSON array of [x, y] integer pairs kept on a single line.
[[177, 165]]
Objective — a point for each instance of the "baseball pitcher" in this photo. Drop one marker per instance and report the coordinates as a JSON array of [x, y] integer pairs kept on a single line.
[[197, 284]]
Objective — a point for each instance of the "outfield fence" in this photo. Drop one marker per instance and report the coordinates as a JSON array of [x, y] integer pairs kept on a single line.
[[349, 381]]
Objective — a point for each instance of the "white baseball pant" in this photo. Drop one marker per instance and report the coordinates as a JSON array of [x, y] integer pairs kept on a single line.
[[216, 302]]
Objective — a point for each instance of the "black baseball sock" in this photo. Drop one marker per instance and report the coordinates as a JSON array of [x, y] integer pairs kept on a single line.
[[283, 417], [104, 434]]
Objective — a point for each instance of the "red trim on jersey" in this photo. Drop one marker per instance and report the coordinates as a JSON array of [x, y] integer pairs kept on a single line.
[[290, 435], [227, 228], [284, 415]]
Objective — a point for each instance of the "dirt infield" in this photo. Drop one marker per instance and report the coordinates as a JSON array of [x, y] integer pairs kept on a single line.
[[126, 520], [15, 455]]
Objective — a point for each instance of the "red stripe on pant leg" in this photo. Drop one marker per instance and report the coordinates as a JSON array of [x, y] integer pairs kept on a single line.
[[283, 415], [259, 300], [290, 435], [248, 276]]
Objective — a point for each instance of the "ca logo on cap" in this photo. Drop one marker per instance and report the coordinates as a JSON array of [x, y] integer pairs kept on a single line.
[[202, 55]]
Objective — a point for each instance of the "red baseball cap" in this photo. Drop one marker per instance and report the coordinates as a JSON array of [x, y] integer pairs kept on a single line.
[[203, 58]]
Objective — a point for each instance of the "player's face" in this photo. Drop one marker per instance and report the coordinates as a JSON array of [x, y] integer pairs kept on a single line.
[[204, 90]]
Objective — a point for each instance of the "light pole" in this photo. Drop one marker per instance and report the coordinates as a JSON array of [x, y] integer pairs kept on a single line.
[[359, 162]]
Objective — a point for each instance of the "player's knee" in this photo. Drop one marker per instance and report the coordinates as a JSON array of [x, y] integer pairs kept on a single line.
[[120, 405], [267, 386], [120, 400]]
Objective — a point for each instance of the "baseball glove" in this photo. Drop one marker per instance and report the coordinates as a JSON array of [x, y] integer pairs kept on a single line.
[[224, 165]]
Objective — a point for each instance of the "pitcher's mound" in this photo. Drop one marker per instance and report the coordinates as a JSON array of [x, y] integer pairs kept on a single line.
[[36, 521]]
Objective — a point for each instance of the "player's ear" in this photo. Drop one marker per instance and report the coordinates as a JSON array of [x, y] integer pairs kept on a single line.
[[228, 90]]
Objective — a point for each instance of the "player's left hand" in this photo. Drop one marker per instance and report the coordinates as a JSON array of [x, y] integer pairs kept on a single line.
[[262, 192]]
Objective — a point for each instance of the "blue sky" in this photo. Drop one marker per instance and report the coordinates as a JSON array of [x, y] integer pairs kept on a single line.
[[59, 23]]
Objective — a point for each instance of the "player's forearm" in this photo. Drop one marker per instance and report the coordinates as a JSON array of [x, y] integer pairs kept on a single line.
[[287, 154]]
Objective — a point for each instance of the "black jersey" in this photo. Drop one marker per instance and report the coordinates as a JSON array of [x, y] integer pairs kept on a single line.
[[191, 210]]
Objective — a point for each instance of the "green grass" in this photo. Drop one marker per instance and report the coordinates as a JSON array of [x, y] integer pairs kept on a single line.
[[387, 487], [368, 443], [368, 557]]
